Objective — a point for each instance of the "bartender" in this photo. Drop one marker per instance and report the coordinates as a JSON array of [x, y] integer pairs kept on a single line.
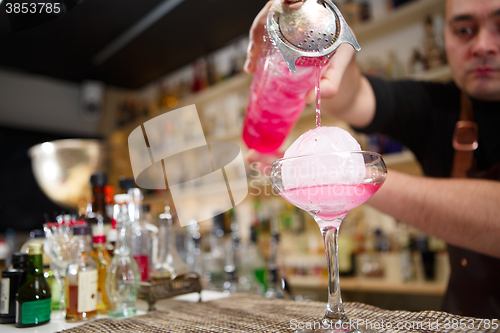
[[452, 129]]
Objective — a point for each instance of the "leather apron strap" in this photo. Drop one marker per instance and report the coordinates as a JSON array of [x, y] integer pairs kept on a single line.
[[465, 139]]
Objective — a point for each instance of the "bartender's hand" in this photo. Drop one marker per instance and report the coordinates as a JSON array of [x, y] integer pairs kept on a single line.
[[262, 161], [332, 76]]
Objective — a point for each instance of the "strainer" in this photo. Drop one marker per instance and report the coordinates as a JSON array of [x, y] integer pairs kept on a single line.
[[314, 29]]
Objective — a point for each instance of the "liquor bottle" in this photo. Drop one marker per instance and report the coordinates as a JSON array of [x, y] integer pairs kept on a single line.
[[153, 234], [103, 260], [112, 236], [98, 204], [123, 278], [141, 237], [37, 236], [169, 263], [215, 259], [81, 278], [12, 279], [252, 266], [33, 298]]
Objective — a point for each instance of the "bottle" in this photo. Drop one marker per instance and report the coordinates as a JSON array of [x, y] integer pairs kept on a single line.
[[10, 241], [109, 193], [98, 205], [252, 266], [33, 298], [103, 260], [123, 278], [81, 278], [141, 237], [12, 279], [169, 263], [215, 259], [153, 234], [112, 236], [4, 253]]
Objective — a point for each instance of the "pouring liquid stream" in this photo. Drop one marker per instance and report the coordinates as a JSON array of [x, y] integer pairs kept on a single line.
[[318, 95]]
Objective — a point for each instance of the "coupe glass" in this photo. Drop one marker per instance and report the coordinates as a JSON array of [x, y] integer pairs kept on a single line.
[[328, 186]]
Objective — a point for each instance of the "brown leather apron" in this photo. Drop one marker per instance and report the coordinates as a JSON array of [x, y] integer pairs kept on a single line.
[[474, 285]]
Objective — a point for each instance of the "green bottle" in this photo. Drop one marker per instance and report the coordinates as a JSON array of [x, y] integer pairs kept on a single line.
[[34, 297]]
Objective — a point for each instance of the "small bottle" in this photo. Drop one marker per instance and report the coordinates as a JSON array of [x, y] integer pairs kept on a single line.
[[112, 236], [34, 297], [123, 278], [215, 259], [12, 279], [141, 236], [153, 234], [98, 204], [169, 263], [81, 278], [103, 260]]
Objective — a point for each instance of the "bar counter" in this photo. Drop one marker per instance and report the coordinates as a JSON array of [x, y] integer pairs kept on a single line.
[[250, 313]]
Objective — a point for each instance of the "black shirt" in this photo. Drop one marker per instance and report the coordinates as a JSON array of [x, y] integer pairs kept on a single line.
[[422, 116]]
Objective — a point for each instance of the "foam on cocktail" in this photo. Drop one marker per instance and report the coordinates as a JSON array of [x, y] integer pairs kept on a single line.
[[320, 169]]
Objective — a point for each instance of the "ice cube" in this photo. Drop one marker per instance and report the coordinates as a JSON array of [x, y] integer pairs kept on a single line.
[[322, 140], [320, 167]]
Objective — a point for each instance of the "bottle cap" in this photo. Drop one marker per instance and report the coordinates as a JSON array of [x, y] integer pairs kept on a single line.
[[126, 184], [19, 258], [81, 229], [37, 233], [122, 198], [99, 239], [35, 248], [98, 179]]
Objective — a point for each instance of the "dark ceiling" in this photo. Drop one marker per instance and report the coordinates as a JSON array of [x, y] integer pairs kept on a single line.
[[65, 47]]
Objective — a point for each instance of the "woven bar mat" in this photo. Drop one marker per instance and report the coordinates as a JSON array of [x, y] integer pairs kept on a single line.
[[249, 313]]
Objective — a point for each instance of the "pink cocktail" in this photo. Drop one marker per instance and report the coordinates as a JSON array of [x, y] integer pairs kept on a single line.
[[329, 202], [277, 97], [328, 186]]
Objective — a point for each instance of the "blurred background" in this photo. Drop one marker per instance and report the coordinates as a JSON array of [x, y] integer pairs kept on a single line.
[[99, 69]]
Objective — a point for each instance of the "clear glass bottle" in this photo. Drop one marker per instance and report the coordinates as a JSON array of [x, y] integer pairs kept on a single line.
[[33, 298], [169, 263], [215, 259], [123, 278], [81, 278], [152, 227], [252, 266], [12, 279], [141, 236], [103, 260]]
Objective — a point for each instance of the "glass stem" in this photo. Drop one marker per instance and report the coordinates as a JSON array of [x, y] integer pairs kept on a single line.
[[62, 291], [335, 310]]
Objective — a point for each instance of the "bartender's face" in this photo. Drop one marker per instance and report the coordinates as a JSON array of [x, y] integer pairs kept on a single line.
[[472, 39]]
